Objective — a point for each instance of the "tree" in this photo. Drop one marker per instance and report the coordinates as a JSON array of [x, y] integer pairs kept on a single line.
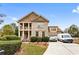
[[8, 30], [73, 30], [15, 27]]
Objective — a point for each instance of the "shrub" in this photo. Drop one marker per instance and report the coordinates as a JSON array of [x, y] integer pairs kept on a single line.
[[39, 39], [11, 37], [45, 39], [10, 48], [34, 39], [3, 38]]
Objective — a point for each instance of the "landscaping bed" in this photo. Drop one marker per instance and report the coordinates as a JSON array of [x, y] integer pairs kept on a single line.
[[40, 43], [33, 48]]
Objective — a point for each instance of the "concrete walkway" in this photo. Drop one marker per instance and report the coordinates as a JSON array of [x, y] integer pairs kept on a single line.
[[59, 48]]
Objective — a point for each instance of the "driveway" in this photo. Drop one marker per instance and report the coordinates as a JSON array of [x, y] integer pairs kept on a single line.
[[59, 48]]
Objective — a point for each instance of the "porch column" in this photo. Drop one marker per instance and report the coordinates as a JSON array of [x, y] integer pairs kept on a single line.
[[19, 30], [22, 35], [28, 32], [23, 26], [23, 32]]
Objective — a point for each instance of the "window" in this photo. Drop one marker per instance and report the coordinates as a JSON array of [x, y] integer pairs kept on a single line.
[[43, 34], [37, 33], [66, 36], [20, 33], [25, 25], [30, 33], [53, 29]]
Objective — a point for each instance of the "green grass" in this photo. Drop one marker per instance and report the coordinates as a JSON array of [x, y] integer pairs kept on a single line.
[[31, 49], [9, 41]]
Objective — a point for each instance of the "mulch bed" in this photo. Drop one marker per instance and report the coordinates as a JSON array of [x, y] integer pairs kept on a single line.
[[40, 43]]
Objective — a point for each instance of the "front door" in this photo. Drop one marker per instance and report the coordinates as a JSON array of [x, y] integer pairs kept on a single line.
[[25, 35]]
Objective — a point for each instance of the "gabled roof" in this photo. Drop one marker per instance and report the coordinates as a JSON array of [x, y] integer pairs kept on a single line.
[[36, 19], [40, 19], [27, 16]]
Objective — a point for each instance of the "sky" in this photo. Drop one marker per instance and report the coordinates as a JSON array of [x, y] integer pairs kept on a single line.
[[58, 14]]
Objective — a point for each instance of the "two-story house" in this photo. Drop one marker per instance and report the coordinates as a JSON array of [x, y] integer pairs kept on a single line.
[[32, 25]]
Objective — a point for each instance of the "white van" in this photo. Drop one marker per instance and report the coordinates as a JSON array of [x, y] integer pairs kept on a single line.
[[65, 37]]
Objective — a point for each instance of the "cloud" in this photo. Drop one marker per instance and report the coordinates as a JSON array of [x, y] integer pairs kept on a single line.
[[76, 10], [14, 19]]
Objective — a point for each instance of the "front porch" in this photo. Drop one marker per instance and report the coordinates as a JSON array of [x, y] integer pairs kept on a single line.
[[25, 36]]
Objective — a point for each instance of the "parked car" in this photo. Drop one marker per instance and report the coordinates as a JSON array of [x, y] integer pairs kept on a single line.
[[65, 37], [53, 39], [1, 52]]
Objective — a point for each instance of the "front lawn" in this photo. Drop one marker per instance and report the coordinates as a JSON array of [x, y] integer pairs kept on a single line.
[[32, 49]]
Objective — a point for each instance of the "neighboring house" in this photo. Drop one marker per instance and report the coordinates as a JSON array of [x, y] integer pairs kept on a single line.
[[32, 25], [54, 30]]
